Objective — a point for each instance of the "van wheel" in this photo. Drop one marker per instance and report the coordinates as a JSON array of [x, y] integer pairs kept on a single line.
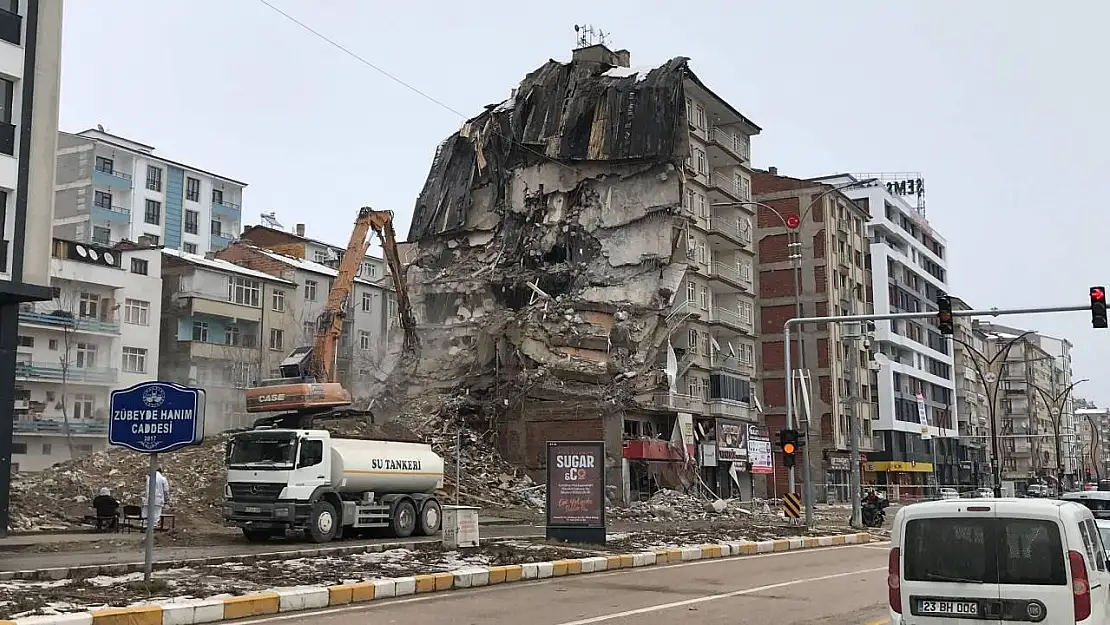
[[403, 523], [431, 516], [323, 524]]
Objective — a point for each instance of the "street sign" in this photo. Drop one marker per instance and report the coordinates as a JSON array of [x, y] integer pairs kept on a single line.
[[793, 221], [576, 491], [792, 505], [156, 417]]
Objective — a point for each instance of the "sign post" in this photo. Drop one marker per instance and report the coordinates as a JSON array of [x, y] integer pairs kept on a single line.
[[576, 491], [153, 418]]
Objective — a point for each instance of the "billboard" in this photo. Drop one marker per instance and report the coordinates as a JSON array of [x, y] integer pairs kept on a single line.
[[759, 450], [576, 491], [732, 441]]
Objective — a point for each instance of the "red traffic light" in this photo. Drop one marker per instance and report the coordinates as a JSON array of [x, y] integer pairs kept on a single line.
[[1098, 294], [793, 222]]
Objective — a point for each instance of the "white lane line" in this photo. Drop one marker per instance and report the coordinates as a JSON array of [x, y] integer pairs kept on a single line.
[[439, 596], [726, 595]]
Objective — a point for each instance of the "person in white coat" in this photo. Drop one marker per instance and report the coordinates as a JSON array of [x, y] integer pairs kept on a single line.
[[161, 496]]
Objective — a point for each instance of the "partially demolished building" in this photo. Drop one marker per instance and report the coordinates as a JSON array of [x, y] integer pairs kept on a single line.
[[580, 259]]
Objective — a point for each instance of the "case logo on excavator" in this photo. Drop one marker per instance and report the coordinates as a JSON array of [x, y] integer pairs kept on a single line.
[[269, 399]]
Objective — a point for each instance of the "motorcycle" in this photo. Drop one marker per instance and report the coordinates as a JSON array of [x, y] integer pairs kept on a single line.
[[872, 512]]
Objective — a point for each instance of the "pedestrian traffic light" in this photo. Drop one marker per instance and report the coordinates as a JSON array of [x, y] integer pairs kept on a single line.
[[1098, 306], [788, 442], [944, 314]]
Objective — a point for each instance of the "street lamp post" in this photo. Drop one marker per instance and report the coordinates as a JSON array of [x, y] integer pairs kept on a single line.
[[990, 381], [1056, 411], [793, 225]]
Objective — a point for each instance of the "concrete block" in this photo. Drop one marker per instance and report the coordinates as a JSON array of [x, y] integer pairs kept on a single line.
[[404, 586], [809, 542], [139, 615], [796, 543], [530, 571], [496, 575], [691, 553], [838, 540], [51, 574], [646, 558], [544, 570], [574, 566], [193, 612], [513, 573], [559, 568], [251, 605], [75, 618], [749, 548], [662, 556], [595, 564], [674, 555], [363, 591], [425, 583], [851, 539], [384, 588], [444, 581], [864, 537], [710, 551], [612, 562], [765, 546], [782, 544], [303, 598], [627, 561], [824, 541]]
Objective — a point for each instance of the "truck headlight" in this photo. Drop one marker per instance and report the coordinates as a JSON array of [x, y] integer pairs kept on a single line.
[[281, 511]]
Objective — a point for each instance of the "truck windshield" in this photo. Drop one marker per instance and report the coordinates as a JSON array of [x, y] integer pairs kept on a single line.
[[262, 451]]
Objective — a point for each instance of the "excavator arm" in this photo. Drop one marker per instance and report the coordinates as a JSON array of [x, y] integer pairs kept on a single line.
[[382, 223]]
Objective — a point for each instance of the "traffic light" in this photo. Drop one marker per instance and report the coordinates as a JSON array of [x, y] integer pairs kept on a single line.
[[788, 442], [1098, 306], [944, 314]]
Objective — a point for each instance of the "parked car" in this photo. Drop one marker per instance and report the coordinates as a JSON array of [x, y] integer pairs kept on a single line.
[[949, 493]]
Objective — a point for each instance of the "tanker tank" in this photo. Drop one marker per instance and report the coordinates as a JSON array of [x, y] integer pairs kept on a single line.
[[384, 467]]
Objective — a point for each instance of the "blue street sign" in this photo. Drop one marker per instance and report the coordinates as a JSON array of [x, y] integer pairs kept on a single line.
[[156, 417]]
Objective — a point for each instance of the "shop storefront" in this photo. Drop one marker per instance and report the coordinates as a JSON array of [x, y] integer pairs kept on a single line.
[[901, 480]]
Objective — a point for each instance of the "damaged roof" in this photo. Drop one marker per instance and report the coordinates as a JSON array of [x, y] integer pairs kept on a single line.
[[564, 112]]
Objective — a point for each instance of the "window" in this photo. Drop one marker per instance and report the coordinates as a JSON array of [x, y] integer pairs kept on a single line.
[[691, 292], [136, 312], [310, 290], [189, 248], [320, 256], [86, 356], [363, 339], [134, 360], [232, 336], [7, 97], [105, 165], [311, 453], [704, 297], [200, 331], [100, 234], [244, 291], [153, 178], [217, 196], [369, 270], [692, 339], [18, 449], [277, 339], [699, 159], [102, 199], [192, 221], [309, 330], [87, 305], [277, 300], [367, 301], [747, 354], [83, 405], [153, 214], [154, 239], [216, 228], [192, 189], [985, 550], [52, 344], [47, 449], [26, 341]]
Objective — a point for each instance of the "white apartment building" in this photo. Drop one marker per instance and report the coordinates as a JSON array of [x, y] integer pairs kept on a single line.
[[99, 332], [110, 189], [1062, 379]]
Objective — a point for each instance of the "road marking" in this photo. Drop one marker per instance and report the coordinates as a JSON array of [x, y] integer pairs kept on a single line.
[[725, 595], [439, 596]]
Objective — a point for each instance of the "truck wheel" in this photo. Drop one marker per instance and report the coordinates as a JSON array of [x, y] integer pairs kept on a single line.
[[323, 523], [257, 536], [403, 523], [430, 518]]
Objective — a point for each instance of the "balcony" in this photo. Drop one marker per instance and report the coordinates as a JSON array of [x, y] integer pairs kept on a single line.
[[72, 374], [679, 403], [219, 241], [728, 273], [730, 408], [729, 230], [680, 314], [76, 428], [226, 209], [68, 321], [725, 183], [112, 179], [246, 352], [11, 27], [194, 304], [103, 211], [729, 145], [844, 260], [732, 366], [842, 227], [731, 319]]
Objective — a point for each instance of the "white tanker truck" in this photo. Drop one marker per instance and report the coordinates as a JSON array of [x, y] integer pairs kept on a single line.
[[305, 480]]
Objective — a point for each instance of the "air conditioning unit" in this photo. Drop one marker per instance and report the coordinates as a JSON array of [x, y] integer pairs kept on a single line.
[[874, 365]]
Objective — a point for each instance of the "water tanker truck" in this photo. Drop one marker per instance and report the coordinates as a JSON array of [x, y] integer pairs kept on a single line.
[[306, 480]]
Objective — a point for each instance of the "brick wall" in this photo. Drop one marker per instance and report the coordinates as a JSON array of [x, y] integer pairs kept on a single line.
[[819, 245], [774, 248], [820, 279], [776, 283], [786, 207], [252, 259], [772, 318], [774, 358]]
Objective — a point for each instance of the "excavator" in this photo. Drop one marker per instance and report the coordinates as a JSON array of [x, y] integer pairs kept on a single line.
[[307, 389]]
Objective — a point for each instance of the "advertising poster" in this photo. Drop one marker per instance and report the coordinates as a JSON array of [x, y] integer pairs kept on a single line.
[[576, 491], [732, 441], [759, 450]]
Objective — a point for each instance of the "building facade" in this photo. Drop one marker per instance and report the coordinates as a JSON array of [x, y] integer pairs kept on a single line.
[[1093, 425], [223, 327], [110, 189], [832, 261], [917, 420], [99, 332], [362, 345], [969, 348], [1062, 397], [30, 59]]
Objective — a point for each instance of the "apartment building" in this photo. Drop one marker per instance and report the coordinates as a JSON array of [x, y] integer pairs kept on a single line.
[[362, 345], [969, 348], [30, 64], [1093, 425], [223, 328], [110, 188], [831, 259], [1061, 395], [916, 421], [98, 332], [713, 325]]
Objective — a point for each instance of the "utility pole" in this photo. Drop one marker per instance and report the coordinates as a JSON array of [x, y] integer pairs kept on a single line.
[[854, 400]]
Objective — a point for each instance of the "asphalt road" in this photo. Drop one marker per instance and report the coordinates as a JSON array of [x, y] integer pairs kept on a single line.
[[838, 585]]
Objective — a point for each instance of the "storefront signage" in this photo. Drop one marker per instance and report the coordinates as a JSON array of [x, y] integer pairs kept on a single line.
[[759, 450], [576, 491], [732, 441]]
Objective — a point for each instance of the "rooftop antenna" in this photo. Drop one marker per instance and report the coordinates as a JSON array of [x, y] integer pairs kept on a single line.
[[587, 35], [270, 220], [100, 128]]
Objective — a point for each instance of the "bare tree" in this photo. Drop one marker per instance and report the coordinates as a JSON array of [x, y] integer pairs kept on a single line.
[[69, 312]]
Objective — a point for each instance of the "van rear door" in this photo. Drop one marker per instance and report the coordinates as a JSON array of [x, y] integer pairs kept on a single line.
[[949, 572], [1032, 565]]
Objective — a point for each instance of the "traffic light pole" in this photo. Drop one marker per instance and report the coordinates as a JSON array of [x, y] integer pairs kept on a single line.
[[798, 321]]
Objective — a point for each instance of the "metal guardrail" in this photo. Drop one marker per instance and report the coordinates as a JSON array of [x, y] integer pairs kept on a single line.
[[115, 209], [114, 174], [72, 322], [730, 228], [227, 205], [678, 401], [50, 427], [727, 183], [69, 374], [732, 142], [730, 317]]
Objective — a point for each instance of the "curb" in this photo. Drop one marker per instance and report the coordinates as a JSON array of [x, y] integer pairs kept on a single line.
[[193, 612]]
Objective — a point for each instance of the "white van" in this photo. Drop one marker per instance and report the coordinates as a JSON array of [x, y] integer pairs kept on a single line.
[[1097, 501], [998, 561]]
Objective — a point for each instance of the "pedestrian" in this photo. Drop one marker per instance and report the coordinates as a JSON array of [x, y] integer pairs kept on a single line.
[[161, 497], [107, 510]]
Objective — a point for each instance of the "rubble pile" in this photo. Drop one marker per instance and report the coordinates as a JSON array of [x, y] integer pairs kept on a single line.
[[669, 505]]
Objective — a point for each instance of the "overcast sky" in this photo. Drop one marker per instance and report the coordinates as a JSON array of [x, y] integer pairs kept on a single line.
[[1000, 104]]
